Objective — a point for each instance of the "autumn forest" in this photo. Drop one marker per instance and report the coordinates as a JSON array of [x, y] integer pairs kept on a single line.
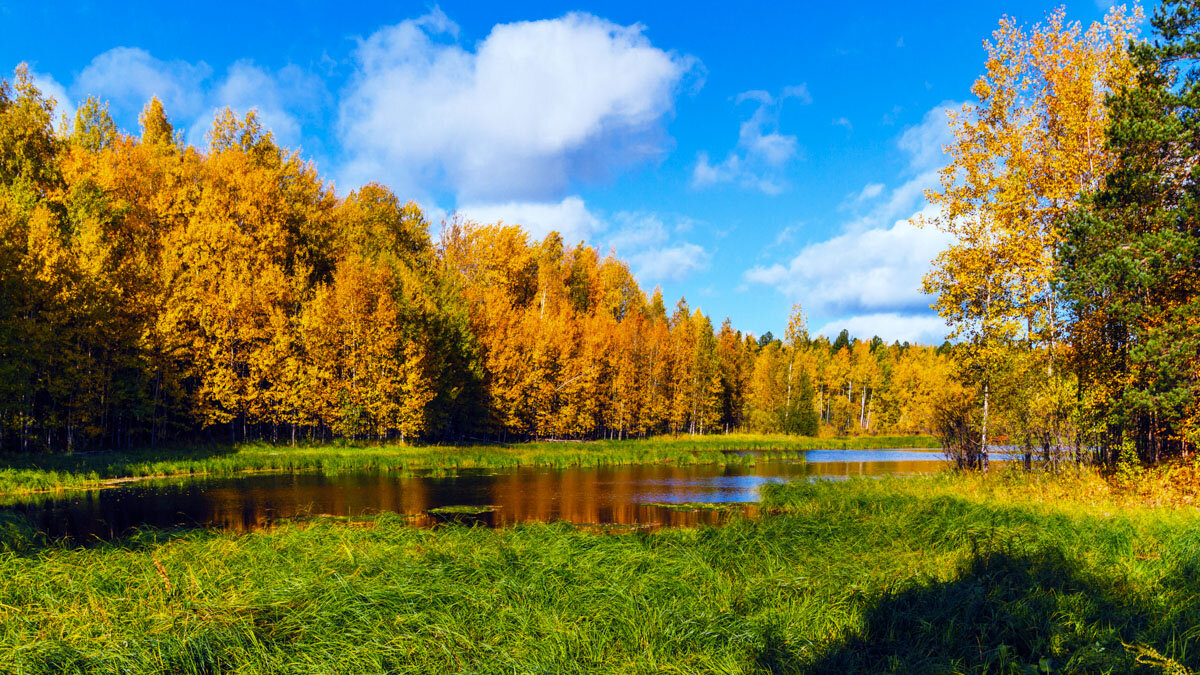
[[155, 291]]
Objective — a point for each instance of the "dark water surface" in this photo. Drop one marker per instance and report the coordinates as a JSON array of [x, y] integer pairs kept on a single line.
[[624, 495]]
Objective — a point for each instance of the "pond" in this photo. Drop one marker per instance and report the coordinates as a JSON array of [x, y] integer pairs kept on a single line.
[[642, 495]]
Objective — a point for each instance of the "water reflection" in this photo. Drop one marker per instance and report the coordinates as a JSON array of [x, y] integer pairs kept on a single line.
[[627, 495]]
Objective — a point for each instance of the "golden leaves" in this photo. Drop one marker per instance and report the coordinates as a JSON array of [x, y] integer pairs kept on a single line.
[[1021, 156], [154, 289]]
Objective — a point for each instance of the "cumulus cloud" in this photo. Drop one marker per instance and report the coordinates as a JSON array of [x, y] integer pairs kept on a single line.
[[282, 99], [924, 142], [127, 77], [637, 231], [872, 270], [762, 152], [650, 243], [891, 327], [50, 88], [877, 207], [532, 107], [645, 241], [569, 217], [870, 273], [670, 263], [522, 116]]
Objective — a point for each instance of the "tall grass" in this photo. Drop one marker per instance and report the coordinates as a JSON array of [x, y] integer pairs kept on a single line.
[[24, 474], [861, 576]]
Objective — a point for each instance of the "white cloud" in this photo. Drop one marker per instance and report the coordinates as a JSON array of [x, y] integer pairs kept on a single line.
[[872, 270], [705, 173], [534, 106], [50, 88], [870, 273], [762, 152], [127, 77], [436, 215], [645, 241], [924, 142], [523, 115], [282, 99], [570, 217], [670, 263], [870, 191], [637, 231], [787, 235], [891, 327]]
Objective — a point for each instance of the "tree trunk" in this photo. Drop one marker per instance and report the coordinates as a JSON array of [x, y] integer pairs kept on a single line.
[[983, 447]]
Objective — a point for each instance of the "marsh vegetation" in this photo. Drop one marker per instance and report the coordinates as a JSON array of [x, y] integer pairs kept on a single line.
[[936, 574]]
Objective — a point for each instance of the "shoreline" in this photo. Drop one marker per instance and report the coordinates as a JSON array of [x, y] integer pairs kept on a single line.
[[60, 473]]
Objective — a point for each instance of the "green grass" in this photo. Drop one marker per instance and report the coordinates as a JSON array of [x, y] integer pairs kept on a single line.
[[938, 574], [22, 474]]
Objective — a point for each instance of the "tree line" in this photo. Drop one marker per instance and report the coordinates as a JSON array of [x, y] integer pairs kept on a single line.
[[1074, 280], [152, 291]]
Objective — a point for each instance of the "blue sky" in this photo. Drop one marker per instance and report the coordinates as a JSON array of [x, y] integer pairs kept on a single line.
[[746, 157]]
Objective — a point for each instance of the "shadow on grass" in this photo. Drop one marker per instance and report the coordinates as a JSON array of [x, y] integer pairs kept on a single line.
[[1021, 613]]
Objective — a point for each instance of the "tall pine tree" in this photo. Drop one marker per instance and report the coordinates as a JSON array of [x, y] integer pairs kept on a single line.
[[1131, 257]]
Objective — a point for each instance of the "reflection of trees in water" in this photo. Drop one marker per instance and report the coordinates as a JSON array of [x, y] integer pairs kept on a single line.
[[851, 469], [248, 504], [605, 495]]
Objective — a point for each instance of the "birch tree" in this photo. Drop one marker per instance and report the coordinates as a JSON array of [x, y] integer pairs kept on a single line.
[[1021, 154]]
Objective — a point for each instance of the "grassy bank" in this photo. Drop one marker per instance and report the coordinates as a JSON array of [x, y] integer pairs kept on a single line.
[[911, 575], [23, 474]]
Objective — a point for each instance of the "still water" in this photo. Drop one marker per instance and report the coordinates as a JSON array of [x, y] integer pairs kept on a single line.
[[624, 495]]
